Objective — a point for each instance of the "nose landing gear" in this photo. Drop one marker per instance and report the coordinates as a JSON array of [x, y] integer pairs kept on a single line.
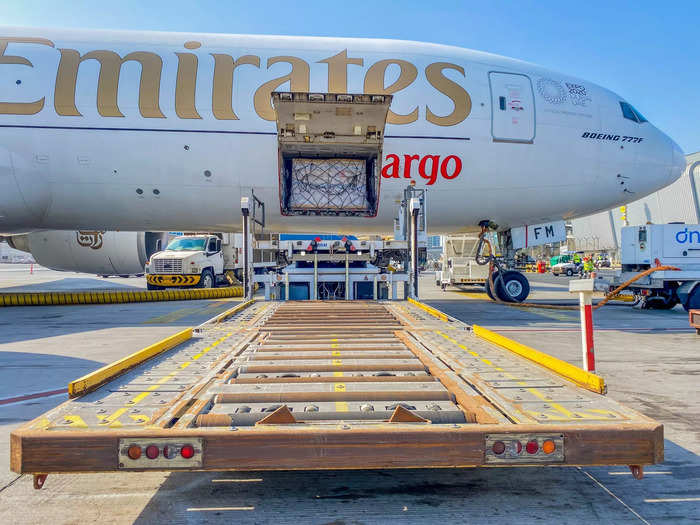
[[503, 285]]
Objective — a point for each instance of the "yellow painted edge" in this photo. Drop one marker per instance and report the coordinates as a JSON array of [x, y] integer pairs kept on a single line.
[[90, 381], [228, 313], [566, 370], [432, 311]]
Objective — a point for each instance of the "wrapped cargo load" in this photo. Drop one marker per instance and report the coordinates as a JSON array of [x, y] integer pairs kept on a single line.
[[329, 186]]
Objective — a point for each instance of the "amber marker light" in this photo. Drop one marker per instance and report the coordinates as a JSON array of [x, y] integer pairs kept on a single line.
[[548, 446], [134, 452]]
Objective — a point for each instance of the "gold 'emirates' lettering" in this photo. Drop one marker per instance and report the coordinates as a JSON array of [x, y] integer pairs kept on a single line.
[[186, 85], [338, 71], [459, 96], [108, 82], [20, 108], [298, 79], [222, 92], [374, 83], [223, 81]]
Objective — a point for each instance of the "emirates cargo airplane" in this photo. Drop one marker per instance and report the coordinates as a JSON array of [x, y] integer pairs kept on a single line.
[[116, 130]]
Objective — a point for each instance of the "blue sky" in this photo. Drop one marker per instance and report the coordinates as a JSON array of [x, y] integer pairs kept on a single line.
[[646, 51]]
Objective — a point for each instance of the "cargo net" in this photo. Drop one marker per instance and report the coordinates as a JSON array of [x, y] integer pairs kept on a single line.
[[333, 185]]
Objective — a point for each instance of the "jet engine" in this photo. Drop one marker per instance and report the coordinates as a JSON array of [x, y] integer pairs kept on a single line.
[[94, 251]]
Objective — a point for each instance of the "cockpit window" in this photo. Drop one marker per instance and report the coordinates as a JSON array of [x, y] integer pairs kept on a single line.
[[630, 113]]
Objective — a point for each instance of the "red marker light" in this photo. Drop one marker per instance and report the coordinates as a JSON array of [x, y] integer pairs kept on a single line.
[[518, 447], [152, 451], [187, 451], [499, 447], [532, 447]]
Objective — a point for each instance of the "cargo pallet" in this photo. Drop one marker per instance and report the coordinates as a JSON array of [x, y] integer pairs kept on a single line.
[[334, 385]]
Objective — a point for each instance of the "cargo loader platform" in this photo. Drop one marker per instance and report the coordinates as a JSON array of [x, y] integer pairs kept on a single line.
[[334, 385]]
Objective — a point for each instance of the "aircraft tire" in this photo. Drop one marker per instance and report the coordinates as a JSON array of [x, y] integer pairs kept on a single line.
[[487, 288], [513, 287]]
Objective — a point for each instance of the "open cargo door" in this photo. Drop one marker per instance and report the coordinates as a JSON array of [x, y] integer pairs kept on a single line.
[[330, 152]]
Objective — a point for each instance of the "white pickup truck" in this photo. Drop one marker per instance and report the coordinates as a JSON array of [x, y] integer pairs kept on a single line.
[[187, 261]]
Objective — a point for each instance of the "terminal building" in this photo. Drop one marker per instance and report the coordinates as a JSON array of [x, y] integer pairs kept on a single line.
[[679, 202]]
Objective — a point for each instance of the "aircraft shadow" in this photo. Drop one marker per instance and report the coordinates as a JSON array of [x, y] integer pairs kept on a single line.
[[473, 495], [70, 284]]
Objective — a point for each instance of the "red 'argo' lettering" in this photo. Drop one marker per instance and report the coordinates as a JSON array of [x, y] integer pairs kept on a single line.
[[444, 165], [434, 164], [392, 167]]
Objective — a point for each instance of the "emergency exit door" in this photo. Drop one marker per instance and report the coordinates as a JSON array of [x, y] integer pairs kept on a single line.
[[513, 108]]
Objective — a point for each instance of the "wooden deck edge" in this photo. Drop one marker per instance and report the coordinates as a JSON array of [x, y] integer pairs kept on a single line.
[[404, 446]]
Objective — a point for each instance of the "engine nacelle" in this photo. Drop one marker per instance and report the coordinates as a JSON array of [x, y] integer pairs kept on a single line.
[[97, 252]]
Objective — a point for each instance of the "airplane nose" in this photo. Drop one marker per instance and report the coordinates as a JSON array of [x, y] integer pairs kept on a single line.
[[678, 162]]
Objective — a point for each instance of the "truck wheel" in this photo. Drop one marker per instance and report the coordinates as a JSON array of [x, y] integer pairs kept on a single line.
[[692, 302], [664, 299], [207, 280], [513, 288], [150, 286], [569, 272]]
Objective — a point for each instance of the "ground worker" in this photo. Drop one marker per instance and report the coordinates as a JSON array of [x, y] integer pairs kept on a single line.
[[577, 258], [587, 267]]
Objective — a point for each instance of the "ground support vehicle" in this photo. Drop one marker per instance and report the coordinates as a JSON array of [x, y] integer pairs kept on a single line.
[[644, 247], [335, 269], [341, 385], [202, 261], [459, 266], [566, 268]]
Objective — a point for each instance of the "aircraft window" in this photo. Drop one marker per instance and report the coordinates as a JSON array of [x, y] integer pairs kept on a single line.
[[628, 111], [640, 117]]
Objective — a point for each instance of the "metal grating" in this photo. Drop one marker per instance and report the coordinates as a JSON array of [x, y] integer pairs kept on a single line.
[[167, 265]]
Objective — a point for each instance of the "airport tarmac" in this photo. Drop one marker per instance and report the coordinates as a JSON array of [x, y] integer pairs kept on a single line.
[[649, 360]]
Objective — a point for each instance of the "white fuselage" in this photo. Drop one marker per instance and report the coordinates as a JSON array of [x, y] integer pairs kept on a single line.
[[157, 131]]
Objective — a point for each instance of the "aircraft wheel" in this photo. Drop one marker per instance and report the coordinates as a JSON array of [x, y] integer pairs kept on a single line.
[[513, 288], [487, 288]]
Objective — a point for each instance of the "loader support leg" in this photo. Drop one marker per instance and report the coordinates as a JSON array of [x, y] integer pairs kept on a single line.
[[39, 480], [637, 471]]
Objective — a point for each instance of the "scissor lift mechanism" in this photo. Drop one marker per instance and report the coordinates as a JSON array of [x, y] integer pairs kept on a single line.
[[312, 385]]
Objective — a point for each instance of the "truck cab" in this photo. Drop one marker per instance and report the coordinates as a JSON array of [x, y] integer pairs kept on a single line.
[[188, 261]]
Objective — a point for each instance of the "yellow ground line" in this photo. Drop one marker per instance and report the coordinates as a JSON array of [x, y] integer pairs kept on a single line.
[[566, 370], [91, 381], [432, 311]]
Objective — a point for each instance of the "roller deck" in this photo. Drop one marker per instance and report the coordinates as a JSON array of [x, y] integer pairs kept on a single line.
[[334, 385]]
